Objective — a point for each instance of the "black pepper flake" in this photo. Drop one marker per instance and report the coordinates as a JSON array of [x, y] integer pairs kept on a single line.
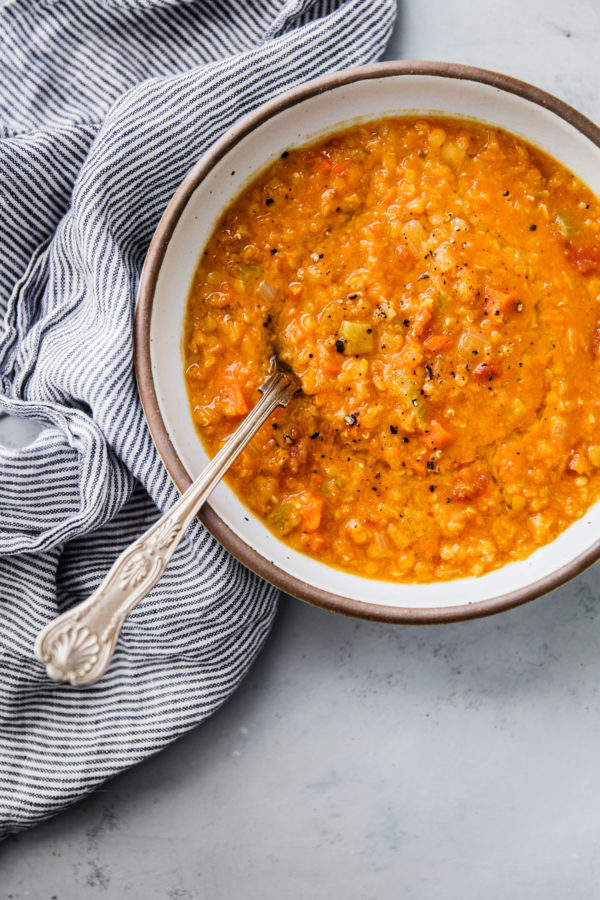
[[352, 419], [352, 296], [339, 345], [533, 227], [321, 255], [315, 435], [378, 475], [274, 251], [275, 426], [475, 352], [393, 429], [406, 322], [285, 154], [429, 371], [310, 355], [432, 488], [506, 194], [338, 209], [405, 439], [430, 464], [423, 277], [269, 201], [415, 402], [369, 331]]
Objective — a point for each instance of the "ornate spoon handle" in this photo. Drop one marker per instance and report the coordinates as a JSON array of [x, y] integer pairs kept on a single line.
[[79, 644]]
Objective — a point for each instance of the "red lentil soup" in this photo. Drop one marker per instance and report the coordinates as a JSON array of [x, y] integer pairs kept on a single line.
[[435, 283]]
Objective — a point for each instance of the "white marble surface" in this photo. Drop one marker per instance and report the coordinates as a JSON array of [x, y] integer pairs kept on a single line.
[[366, 761]]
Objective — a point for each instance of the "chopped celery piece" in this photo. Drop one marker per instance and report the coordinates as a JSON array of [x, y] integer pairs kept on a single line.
[[284, 518], [566, 226]]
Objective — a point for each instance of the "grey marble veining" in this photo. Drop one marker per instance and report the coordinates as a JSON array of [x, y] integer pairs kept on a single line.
[[365, 761]]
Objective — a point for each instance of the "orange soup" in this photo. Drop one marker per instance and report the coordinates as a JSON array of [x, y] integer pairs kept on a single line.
[[435, 284]]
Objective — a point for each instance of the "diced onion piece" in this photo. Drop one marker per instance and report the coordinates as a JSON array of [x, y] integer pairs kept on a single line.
[[267, 291], [414, 234], [471, 340]]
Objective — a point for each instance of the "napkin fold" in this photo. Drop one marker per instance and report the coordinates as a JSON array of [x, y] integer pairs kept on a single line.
[[104, 106]]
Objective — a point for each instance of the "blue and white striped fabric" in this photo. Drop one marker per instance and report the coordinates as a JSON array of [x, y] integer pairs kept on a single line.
[[104, 106]]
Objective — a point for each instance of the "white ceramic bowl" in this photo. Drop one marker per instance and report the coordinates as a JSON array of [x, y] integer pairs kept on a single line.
[[295, 118]]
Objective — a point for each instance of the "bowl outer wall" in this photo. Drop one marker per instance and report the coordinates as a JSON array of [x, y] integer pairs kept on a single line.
[[142, 349]]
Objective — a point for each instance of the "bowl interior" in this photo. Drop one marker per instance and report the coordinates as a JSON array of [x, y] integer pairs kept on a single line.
[[299, 123]]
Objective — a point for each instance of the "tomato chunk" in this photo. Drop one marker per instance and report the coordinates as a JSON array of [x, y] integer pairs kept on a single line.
[[585, 258], [469, 482], [498, 302], [485, 371], [437, 437], [437, 343]]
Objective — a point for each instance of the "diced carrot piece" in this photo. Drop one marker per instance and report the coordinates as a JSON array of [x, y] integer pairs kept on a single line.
[[586, 258], [437, 437], [437, 342], [330, 367], [422, 322], [498, 302], [231, 396], [310, 508], [485, 371], [468, 482]]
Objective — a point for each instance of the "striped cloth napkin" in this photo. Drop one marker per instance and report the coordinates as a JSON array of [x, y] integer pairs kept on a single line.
[[104, 106]]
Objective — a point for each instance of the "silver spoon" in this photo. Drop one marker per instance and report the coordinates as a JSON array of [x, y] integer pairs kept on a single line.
[[78, 645]]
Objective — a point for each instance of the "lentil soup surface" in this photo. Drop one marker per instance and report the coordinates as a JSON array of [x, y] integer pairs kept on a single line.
[[435, 284]]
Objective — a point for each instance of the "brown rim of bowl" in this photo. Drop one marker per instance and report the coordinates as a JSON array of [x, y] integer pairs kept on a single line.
[[229, 539]]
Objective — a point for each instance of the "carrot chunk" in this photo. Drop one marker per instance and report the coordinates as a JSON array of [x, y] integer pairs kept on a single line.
[[330, 367], [437, 343], [498, 302], [437, 437], [233, 402], [310, 508], [422, 322]]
